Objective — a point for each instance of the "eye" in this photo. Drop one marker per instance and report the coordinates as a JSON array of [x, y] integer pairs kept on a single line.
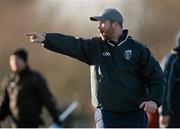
[[102, 25]]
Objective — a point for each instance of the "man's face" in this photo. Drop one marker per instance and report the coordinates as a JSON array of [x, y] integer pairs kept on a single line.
[[105, 29], [16, 63]]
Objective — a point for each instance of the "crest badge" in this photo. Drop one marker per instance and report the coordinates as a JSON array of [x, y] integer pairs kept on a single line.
[[128, 54]]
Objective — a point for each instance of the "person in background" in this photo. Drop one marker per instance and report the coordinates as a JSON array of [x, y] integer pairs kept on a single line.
[[170, 110], [25, 93]]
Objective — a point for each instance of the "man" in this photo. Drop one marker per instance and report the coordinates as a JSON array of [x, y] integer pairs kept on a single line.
[[126, 80], [170, 111], [25, 92]]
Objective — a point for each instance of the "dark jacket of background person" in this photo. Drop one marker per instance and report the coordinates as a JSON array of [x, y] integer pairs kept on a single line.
[[171, 68], [24, 96]]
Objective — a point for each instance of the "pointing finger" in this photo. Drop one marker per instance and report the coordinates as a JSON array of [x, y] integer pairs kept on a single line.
[[29, 34]]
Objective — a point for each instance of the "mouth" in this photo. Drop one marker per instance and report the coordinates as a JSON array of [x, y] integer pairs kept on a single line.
[[103, 36], [102, 33]]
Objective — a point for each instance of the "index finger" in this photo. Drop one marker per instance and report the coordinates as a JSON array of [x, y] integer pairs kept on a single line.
[[29, 34]]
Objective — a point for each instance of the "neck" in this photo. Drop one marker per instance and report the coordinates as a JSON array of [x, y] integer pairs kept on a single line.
[[116, 36]]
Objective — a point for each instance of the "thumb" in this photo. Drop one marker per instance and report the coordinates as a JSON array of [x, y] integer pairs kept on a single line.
[[29, 34], [142, 105]]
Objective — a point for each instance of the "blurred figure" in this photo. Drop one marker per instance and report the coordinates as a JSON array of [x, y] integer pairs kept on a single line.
[[120, 67], [25, 93], [170, 110]]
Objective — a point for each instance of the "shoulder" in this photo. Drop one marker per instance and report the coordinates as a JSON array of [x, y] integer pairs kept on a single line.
[[95, 40], [137, 44], [167, 60], [36, 74], [98, 39], [169, 57]]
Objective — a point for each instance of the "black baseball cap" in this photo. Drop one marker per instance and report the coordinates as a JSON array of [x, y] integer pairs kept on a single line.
[[108, 14]]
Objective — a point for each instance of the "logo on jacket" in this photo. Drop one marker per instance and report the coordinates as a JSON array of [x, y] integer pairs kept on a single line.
[[106, 54], [128, 54]]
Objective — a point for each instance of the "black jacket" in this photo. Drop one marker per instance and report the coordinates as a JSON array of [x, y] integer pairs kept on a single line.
[[24, 96], [171, 67], [123, 74]]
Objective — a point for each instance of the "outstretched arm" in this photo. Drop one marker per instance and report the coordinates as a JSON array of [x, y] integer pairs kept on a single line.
[[75, 47]]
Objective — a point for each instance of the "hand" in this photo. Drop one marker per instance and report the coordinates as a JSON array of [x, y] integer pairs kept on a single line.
[[36, 37], [149, 106], [164, 120]]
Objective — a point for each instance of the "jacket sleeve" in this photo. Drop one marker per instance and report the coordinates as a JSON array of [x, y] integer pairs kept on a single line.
[[4, 104], [152, 76], [167, 65], [47, 99], [68, 45]]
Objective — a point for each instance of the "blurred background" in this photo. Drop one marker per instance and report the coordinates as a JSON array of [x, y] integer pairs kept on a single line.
[[153, 22]]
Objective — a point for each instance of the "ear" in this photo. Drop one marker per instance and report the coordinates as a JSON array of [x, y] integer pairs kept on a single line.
[[115, 24]]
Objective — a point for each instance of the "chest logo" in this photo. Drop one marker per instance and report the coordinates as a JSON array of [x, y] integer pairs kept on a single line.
[[106, 54], [128, 54]]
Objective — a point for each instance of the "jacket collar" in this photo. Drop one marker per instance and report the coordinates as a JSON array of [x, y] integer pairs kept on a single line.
[[121, 40]]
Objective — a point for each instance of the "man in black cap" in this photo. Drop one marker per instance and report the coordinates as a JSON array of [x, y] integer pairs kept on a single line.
[[126, 80], [170, 110], [25, 92]]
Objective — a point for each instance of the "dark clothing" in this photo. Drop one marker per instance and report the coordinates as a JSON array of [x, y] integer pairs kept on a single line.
[[24, 96], [123, 74], [132, 119], [171, 104], [174, 122]]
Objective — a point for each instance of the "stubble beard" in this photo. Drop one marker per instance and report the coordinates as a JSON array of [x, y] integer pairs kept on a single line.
[[106, 35]]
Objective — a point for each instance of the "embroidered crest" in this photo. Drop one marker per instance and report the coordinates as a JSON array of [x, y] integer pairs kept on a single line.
[[128, 54]]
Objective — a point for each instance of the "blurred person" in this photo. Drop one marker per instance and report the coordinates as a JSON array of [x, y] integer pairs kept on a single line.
[[25, 93], [170, 110], [126, 80]]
